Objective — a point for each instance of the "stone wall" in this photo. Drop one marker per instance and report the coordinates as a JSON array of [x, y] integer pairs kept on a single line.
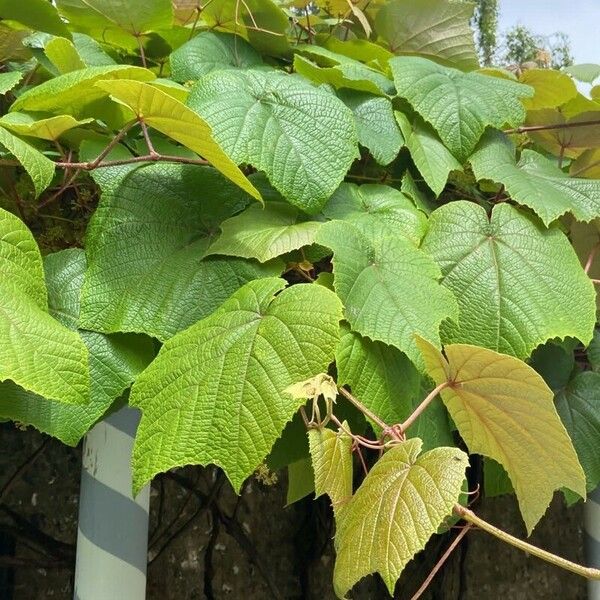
[[251, 547]]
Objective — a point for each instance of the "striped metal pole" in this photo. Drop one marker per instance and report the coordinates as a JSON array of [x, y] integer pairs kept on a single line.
[[112, 537], [591, 528]]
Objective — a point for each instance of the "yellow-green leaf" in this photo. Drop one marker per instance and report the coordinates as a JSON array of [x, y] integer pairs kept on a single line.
[[399, 506], [552, 88], [48, 128], [169, 116], [63, 55], [331, 453], [73, 92], [503, 409], [38, 167]]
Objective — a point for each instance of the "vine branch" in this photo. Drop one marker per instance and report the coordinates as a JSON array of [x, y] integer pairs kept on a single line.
[[529, 128], [469, 516]]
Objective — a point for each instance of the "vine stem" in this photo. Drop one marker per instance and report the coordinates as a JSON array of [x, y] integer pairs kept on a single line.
[[90, 165], [527, 128], [440, 563], [469, 516], [417, 412], [363, 409]]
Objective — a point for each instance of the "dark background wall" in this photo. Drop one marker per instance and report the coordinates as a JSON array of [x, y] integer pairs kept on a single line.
[[206, 543]]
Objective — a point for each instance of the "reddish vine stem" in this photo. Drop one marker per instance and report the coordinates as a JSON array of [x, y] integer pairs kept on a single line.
[[590, 260], [440, 563], [529, 128], [90, 166], [469, 516], [419, 410], [366, 411]]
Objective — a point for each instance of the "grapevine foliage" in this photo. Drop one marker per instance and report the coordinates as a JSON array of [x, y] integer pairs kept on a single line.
[[243, 215]]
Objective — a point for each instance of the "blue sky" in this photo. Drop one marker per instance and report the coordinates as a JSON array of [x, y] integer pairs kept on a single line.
[[580, 19]]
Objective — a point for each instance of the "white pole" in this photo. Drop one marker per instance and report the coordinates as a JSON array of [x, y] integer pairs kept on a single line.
[[112, 537], [591, 527]]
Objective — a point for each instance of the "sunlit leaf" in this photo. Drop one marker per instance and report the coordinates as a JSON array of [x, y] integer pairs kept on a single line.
[[503, 409]]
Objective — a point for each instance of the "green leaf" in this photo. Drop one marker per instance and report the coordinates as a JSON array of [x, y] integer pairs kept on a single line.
[[331, 454], [260, 22], [45, 128], [173, 118], [39, 15], [74, 92], [259, 117], [9, 80], [210, 51], [39, 353], [380, 376], [503, 409], [146, 244], [552, 88], [535, 181], [265, 233], [518, 284], [555, 363], [593, 351], [115, 361], [585, 72], [389, 288], [437, 29], [91, 51], [340, 71], [496, 481], [301, 480], [431, 157], [38, 167], [579, 408], [458, 105], [375, 124], [380, 205], [100, 18], [63, 55], [399, 506], [215, 393]]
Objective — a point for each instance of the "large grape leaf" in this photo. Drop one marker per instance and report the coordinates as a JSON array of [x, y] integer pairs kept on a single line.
[[215, 393], [37, 353], [212, 51], [261, 118], [458, 105], [115, 21], [518, 284], [385, 381], [39, 15], [73, 93], [260, 22], [535, 181], [399, 506], [375, 124], [331, 454], [265, 232], [146, 245], [45, 128], [388, 286], [38, 167], [378, 204], [433, 160], [115, 361], [552, 88], [503, 409], [437, 29], [168, 115], [340, 71], [578, 405]]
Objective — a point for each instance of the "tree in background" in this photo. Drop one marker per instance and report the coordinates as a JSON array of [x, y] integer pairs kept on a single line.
[[485, 21], [522, 46]]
